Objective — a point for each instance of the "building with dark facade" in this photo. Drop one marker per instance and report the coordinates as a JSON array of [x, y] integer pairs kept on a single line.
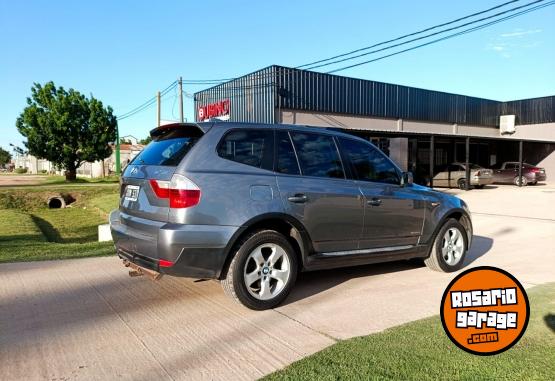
[[422, 130]]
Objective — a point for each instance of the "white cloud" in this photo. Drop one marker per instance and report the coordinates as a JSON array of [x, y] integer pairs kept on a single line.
[[509, 43], [519, 33]]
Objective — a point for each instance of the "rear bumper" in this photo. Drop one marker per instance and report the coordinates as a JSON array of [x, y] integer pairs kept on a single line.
[[481, 180], [538, 177], [196, 251]]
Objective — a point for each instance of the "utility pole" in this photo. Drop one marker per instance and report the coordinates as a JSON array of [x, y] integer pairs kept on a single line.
[[181, 100], [118, 163], [159, 108]]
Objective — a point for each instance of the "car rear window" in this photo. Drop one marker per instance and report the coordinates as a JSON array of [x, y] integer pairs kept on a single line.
[[169, 147]]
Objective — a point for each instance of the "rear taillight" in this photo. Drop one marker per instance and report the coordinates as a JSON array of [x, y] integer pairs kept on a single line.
[[535, 170], [181, 191], [164, 263], [161, 188]]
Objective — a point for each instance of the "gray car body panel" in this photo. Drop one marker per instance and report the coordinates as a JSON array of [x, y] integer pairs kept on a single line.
[[335, 227]]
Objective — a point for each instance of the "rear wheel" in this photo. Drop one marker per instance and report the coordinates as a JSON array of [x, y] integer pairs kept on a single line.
[[449, 248], [523, 181], [262, 271], [462, 184]]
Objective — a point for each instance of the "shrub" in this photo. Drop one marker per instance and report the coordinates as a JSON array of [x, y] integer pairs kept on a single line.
[[21, 170]]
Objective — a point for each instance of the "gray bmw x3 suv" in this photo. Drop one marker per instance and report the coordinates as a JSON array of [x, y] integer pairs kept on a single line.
[[252, 205]]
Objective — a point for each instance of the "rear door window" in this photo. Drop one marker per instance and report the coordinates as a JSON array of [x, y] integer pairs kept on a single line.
[[169, 147], [253, 147], [317, 155], [286, 159]]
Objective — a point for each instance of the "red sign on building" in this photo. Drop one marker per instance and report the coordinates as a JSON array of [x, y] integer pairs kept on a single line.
[[214, 110]]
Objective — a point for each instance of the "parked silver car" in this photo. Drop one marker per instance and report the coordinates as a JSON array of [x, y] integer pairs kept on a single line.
[[251, 205], [454, 176]]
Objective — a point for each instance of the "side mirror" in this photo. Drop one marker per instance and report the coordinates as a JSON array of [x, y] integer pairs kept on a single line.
[[406, 179]]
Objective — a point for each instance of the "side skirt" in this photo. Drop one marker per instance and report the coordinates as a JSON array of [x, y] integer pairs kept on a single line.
[[321, 261]]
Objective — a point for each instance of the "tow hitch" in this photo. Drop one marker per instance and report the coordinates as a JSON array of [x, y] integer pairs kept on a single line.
[[135, 270]]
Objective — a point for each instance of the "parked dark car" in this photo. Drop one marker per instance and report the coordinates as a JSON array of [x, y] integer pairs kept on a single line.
[[507, 173], [251, 205]]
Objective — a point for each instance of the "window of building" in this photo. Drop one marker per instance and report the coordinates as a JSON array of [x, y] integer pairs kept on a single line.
[[317, 155], [286, 160], [249, 147], [368, 163]]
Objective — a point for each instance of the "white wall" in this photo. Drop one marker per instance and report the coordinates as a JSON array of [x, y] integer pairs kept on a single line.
[[540, 132]]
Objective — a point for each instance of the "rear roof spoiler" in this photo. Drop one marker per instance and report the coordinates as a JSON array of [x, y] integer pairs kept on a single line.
[[204, 127]]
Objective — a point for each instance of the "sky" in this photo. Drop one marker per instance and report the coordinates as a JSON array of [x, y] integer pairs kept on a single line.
[[122, 52]]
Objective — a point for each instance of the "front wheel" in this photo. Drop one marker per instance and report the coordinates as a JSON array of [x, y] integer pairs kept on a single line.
[[462, 184], [449, 248], [262, 271]]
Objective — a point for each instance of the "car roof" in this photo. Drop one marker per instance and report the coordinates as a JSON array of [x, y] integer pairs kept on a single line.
[[303, 128]]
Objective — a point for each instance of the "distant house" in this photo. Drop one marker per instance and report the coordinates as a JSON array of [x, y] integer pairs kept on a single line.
[[127, 153], [97, 169]]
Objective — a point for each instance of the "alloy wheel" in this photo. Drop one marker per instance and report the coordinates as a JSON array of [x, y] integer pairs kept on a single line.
[[452, 247], [267, 271]]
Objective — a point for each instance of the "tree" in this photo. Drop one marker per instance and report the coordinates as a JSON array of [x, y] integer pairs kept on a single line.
[[66, 128], [5, 156], [145, 141]]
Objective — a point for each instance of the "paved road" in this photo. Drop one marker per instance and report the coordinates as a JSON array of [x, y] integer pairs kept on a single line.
[[86, 319], [17, 180]]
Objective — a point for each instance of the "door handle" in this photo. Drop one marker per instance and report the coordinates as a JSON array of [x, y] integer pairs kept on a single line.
[[298, 198], [374, 202]]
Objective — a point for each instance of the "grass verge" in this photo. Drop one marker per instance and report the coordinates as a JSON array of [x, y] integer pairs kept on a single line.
[[29, 231], [421, 351]]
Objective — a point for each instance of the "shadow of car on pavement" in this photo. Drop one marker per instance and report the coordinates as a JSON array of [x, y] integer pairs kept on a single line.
[[314, 282]]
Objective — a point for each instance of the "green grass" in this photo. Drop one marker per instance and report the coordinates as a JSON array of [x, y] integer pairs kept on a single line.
[[421, 351], [29, 231], [105, 203]]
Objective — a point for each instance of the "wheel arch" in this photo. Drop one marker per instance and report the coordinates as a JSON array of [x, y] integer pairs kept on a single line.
[[460, 215], [285, 224]]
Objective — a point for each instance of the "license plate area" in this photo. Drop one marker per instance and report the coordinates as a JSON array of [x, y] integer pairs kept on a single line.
[[132, 192]]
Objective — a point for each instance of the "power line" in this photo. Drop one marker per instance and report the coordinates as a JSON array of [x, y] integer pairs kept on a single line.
[[408, 35], [425, 36], [325, 62], [446, 37], [523, 11], [147, 103]]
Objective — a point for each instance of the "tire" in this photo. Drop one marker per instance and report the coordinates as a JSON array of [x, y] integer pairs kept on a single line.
[[523, 180], [252, 259], [437, 259], [462, 184]]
